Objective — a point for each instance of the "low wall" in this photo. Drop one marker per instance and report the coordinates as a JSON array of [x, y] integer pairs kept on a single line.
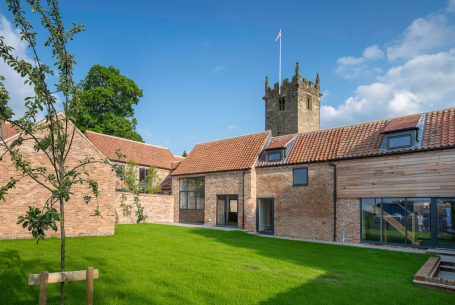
[[157, 208]]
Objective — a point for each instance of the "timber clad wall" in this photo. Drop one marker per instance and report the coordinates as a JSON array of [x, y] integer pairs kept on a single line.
[[422, 174], [157, 208], [79, 216], [303, 211]]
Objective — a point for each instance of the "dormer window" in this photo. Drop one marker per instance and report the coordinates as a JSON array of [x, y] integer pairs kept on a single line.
[[399, 141], [275, 155]]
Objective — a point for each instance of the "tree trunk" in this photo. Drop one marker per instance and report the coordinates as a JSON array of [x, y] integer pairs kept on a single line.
[[62, 249]]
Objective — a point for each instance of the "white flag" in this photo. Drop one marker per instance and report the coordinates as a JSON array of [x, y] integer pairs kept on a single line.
[[279, 36]]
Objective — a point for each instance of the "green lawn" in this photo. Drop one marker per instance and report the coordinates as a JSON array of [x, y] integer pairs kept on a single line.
[[158, 264]]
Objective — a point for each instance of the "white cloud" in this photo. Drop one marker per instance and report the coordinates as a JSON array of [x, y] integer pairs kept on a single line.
[[351, 67], [18, 91], [420, 84], [426, 34], [421, 76]]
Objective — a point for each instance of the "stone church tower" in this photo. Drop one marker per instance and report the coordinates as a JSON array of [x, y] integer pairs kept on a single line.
[[296, 109]]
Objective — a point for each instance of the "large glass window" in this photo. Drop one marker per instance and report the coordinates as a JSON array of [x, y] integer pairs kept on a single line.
[[427, 222], [192, 193]]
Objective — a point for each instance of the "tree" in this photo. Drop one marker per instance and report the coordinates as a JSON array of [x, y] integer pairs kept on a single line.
[[184, 154], [53, 136], [107, 100]]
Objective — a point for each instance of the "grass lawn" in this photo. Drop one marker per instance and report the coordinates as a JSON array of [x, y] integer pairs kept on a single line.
[[158, 264]]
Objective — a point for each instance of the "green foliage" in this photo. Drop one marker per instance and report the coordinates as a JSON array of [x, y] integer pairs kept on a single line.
[[151, 184], [106, 105], [129, 177], [184, 154], [39, 221]]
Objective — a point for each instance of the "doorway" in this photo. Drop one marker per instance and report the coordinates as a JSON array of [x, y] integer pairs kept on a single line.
[[227, 210], [265, 216]]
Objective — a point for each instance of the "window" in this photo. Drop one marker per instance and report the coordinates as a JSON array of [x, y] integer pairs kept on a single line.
[[300, 176], [274, 155], [282, 104], [399, 141], [309, 105], [423, 222], [143, 175], [192, 193]]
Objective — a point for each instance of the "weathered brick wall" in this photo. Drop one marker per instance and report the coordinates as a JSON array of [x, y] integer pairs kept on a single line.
[[348, 220], [224, 183], [304, 211], [79, 216], [161, 173], [157, 208]]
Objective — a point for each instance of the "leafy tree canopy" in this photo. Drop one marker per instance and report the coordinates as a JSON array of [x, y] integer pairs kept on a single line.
[[106, 103]]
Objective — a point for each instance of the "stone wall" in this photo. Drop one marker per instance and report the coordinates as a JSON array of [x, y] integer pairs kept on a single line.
[[157, 208], [348, 220], [303, 211], [79, 216]]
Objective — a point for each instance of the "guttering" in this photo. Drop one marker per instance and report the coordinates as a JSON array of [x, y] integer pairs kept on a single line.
[[334, 200]]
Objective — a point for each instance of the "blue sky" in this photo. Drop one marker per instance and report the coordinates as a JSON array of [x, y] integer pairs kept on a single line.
[[201, 64]]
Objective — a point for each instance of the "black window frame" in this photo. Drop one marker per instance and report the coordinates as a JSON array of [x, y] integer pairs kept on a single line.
[[407, 134], [274, 151], [294, 170], [195, 193], [281, 103]]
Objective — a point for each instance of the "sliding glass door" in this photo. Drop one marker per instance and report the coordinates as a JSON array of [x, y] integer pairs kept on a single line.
[[227, 210], [424, 222]]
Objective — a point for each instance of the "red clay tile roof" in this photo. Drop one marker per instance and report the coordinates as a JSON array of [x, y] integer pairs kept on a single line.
[[280, 142], [403, 123], [224, 155], [7, 131], [439, 129], [140, 153]]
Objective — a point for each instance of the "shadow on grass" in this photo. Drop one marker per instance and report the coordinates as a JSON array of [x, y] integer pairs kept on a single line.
[[350, 275]]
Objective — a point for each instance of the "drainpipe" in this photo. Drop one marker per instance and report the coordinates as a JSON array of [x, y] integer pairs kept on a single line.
[[334, 200], [243, 200]]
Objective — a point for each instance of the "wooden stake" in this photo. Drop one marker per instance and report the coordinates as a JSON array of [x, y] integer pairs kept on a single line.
[[90, 286], [43, 288]]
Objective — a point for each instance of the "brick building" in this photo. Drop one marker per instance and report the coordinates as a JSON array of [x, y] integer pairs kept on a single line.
[[390, 181]]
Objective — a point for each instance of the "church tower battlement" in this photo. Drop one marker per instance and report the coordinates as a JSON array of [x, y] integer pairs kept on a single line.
[[293, 108]]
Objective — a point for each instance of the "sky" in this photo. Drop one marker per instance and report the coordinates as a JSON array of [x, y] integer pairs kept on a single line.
[[201, 64]]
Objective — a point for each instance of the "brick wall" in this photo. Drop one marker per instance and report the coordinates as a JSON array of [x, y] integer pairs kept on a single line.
[[348, 220], [224, 183], [157, 208], [304, 211], [79, 216]]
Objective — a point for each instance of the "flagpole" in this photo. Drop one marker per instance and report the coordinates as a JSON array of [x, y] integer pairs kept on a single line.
[[279, 69]]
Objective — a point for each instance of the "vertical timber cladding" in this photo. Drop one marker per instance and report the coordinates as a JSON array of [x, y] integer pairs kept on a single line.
[[299, 211], [421, 174]]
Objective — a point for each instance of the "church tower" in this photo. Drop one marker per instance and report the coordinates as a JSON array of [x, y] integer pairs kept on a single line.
[[295, 107]]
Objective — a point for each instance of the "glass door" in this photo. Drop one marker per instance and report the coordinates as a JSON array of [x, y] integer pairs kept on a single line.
[[445, 223], [264, 216], [227, 210]]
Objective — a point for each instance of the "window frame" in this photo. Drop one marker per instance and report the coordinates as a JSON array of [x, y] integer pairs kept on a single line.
[[309, 102], [294, 170], [195, 192], [394, 136], [274, 151], [281, 103]]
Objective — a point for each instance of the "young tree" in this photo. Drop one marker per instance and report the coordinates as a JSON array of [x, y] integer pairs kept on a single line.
[[106, 103], [53, 136]]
